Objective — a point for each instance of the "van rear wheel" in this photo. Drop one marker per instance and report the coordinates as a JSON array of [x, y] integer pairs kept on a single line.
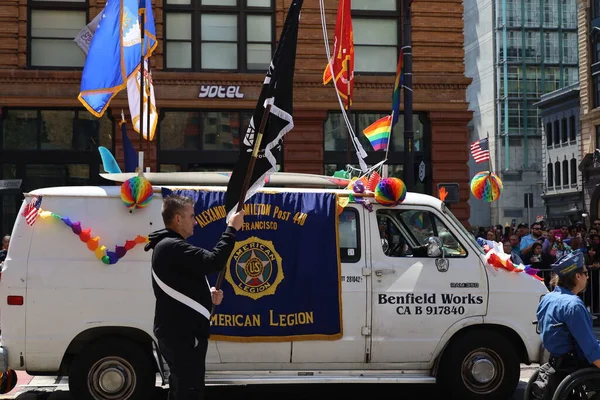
[[115, 369], [480, 364]]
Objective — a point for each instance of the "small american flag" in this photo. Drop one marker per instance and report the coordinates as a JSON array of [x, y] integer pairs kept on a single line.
[[32, 210], [480, 150]]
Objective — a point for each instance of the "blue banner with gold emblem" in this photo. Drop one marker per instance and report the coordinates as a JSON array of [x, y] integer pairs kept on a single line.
[[282, 280]]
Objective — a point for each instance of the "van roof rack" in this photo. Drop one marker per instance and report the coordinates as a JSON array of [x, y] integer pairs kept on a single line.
[[275, 179]]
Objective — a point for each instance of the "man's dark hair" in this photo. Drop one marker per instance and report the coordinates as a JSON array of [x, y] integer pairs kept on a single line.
[[173, 205], [536, 224], [567, 282]]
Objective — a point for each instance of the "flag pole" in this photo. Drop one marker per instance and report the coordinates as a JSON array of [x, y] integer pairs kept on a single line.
[[148, 105], [249, 171], [489, 158], [142, 12], [409, 156], [387, 149], [348, 138]]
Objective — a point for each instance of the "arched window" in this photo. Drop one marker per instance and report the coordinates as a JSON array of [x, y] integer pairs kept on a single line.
[[550, 171], [556, 132], [557, 173], [549, 134], [565, 173], [563, 129], [573, 171], [572, 129]]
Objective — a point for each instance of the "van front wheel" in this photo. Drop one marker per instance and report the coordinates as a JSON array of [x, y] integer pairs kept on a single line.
[[480, 365], [116, 369]]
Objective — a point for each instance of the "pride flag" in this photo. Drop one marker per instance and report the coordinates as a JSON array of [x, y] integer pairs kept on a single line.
[[398, 88], [378, 133]]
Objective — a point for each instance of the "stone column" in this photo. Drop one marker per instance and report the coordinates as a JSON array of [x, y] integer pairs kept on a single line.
[[450, 155]]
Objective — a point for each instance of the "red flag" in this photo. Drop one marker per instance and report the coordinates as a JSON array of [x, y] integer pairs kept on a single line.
[[342, 57]]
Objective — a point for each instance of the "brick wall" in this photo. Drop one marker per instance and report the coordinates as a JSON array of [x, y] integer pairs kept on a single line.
[[438, 81]]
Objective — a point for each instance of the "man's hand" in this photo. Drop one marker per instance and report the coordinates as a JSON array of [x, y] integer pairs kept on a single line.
[[216, 295], [236, 220]]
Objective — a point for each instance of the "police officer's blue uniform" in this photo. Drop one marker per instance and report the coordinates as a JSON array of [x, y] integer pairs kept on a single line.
[[563, 307]]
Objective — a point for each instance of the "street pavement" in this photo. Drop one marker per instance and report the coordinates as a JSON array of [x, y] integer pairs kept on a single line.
[[57, 388]]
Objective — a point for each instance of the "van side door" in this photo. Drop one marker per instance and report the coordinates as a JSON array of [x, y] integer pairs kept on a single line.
[[352, 347], [417, 298]]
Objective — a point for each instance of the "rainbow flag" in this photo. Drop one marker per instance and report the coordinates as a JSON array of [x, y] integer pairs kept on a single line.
[[398, 88], [379, 132]]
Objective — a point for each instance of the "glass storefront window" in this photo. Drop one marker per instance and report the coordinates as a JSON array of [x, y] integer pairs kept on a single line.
[[48, 175], [9, 171], [397, 171], [55, 130], [20, 130], [179, 131], [169, 168], [214, 130], [336, 134], [91, 132]]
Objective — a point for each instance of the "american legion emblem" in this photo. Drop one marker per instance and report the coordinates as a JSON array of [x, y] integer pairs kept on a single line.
[[254, 268]]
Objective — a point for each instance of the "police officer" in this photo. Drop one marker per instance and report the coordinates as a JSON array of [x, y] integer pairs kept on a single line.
[[566, 324], [183, 295]]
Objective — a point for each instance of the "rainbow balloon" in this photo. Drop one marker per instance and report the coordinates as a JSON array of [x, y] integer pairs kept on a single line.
[[136, 192], [390, 191], [487, 186]]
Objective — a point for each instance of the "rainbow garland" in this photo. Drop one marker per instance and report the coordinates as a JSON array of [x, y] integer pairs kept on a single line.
[[93, 243]]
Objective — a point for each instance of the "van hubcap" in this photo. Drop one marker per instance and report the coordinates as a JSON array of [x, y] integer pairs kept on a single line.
[[482, 371], [111, 378]]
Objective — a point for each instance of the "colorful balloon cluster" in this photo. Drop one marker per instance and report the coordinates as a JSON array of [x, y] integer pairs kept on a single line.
[[387, 191], [136, 192], [487, 186], [358, 187], [390, 191], [93, 242]]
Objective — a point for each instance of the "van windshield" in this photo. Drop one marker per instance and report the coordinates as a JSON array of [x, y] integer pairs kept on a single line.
[[464, 230]]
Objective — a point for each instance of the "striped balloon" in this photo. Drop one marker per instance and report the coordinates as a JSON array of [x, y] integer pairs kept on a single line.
[[136, 192], [486, 186]]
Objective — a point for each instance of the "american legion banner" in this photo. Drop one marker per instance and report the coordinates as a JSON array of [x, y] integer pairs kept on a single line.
[[282, 280]]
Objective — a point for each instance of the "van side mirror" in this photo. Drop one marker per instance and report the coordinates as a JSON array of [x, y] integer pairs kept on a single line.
[[434, 247]]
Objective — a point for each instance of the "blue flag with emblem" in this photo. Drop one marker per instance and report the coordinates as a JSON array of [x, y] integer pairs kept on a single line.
[[282, 280], [115, 52]]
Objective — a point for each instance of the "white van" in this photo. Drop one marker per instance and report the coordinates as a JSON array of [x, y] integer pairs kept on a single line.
[[411, 313]]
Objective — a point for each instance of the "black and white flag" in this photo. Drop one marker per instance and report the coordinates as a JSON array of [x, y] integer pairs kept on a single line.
[[278, 91]]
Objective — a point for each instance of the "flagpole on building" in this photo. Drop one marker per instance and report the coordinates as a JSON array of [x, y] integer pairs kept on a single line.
[[409, 156], [142, 12], [248, 177]]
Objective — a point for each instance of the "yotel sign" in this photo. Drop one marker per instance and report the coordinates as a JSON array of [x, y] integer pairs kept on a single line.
[[222, 92]]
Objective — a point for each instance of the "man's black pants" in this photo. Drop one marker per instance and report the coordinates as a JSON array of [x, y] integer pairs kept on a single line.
[[186, 357]]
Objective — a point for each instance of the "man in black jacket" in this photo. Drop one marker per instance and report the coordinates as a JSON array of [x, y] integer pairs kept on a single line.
[[183, 295]]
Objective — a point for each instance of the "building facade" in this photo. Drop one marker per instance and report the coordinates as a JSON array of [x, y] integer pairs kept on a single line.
[[516, 51], [562, 190], [47, 137], [589, 78]]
